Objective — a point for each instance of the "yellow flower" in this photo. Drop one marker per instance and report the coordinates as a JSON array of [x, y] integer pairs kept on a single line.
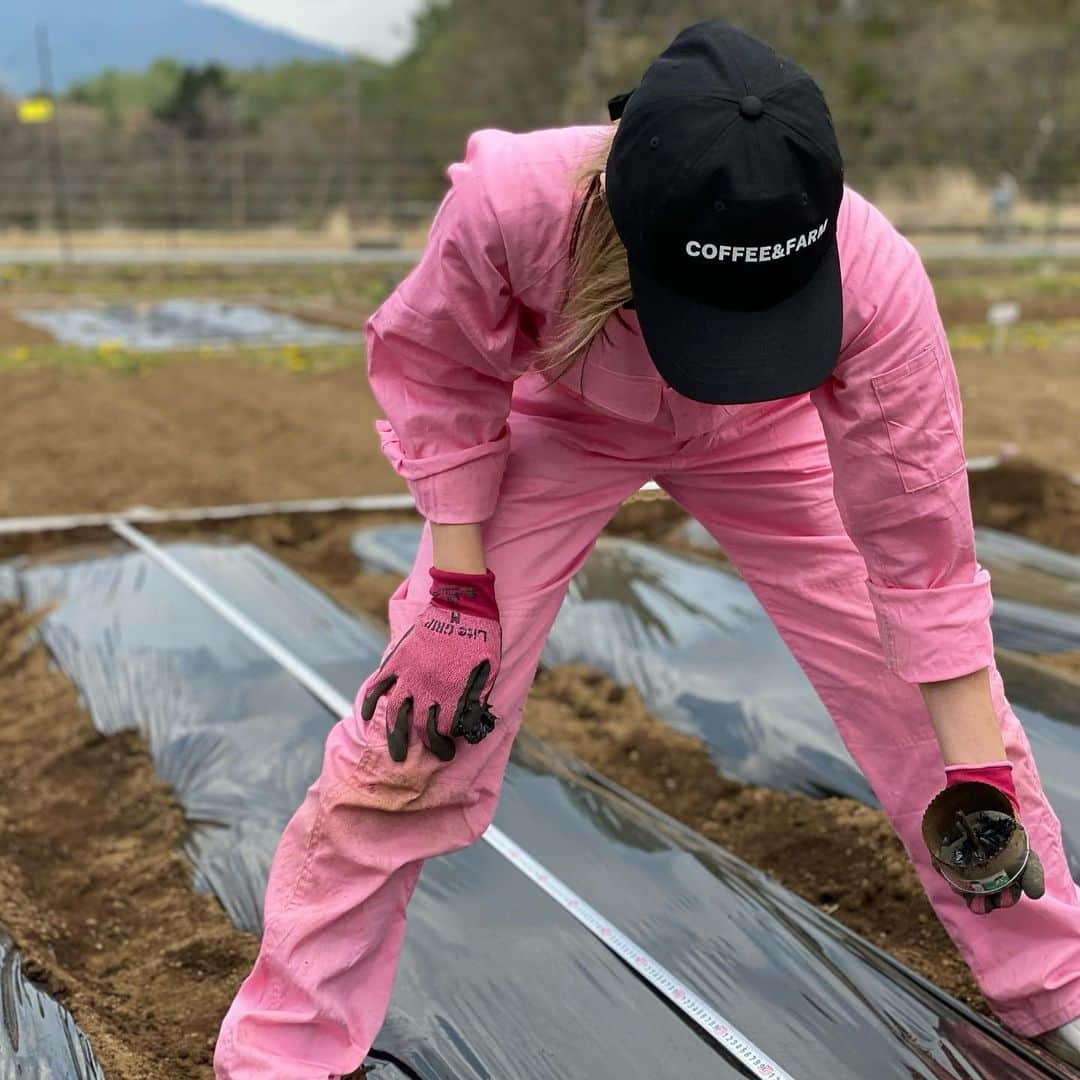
[[295, 358], [109, 349], [18, 355], [968, 339]]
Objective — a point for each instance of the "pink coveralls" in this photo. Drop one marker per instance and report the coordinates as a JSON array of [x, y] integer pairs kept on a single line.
[[846, 511]]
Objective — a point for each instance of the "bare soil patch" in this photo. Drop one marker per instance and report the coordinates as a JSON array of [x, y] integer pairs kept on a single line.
[[14, 333], [1026, 398], [225, 430], [1024, 497], [184, 434], [93, 885]]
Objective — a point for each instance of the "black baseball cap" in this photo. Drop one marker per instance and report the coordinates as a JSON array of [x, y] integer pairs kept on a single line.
[[724, 182]]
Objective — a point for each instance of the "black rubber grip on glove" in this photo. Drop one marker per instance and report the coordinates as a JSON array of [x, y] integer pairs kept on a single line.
[[473, 719]]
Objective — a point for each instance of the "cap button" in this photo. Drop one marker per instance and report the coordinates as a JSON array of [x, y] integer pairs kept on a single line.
[[751, 107]]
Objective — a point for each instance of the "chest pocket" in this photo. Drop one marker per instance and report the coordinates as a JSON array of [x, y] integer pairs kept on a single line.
[[617, 374], [625, 394]]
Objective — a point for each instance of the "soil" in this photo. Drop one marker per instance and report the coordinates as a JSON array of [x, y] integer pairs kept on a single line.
[[201, 432], [93, 886], [1025, 497], [91, 839], [1066, 664], [13, 332], [185, 434], [971, 310], [1037, 413]]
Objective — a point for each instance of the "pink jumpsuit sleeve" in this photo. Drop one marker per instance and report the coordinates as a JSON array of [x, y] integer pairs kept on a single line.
[[439, 355], [892, 419]]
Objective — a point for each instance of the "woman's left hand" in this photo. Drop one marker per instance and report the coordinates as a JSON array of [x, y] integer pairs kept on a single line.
[[977, 842]]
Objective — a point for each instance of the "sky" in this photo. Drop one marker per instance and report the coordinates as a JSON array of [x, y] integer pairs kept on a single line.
[[378, 28]]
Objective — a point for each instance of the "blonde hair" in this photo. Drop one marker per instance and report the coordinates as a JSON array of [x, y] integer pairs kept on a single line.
[[598, 280]]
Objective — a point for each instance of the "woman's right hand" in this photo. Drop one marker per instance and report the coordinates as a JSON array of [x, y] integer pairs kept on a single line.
[[434, 682]]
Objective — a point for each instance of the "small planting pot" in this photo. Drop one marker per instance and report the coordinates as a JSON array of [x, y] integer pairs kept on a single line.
[[974, 839]]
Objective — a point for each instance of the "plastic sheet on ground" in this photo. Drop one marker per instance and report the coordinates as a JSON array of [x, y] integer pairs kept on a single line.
[[178, 324], [722, 672], [9, 583], [38, 1038], [1036, 589], [1029, 572], [496, 979]]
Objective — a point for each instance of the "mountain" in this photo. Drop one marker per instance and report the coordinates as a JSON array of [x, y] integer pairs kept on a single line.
[[88, 36]]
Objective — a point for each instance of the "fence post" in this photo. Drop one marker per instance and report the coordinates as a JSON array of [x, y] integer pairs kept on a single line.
[[237, 175], [45, 75], [351, 142]]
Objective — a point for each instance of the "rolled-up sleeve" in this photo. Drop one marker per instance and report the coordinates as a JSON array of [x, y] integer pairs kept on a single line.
[[893, 425], [440, 360]]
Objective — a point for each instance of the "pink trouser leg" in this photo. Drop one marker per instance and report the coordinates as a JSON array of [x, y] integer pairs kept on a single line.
[[767, 498], [350, 858]]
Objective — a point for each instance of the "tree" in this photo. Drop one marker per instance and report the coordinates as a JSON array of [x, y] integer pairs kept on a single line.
[[199, 102]]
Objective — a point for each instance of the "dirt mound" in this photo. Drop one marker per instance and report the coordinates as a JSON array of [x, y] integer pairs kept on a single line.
[[1024, 497], [93, 885]]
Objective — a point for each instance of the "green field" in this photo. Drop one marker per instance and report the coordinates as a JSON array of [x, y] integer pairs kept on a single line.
[[344, 294]]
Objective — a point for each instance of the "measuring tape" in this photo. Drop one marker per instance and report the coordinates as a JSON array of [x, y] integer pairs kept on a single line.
[[726, 1035], [673, 988]]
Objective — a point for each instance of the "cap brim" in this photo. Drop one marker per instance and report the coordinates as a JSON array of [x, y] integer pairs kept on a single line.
[[725, 357]]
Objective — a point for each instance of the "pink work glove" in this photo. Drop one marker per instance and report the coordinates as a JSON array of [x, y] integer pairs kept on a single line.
[[440, 672], [997, 774], [977, 841]]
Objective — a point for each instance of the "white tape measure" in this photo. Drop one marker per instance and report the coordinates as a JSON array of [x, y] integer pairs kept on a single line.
[[671, 986]]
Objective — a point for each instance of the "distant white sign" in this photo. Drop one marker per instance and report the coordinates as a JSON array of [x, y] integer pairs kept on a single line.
[[1003, 314]]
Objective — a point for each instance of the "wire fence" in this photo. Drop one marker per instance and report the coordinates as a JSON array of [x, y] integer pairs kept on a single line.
[[169, 182], [172, 183]]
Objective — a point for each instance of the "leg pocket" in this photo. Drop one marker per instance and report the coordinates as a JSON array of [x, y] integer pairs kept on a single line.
[[922, 422]]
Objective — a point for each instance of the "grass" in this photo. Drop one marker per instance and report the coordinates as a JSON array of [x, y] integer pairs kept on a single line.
[[957, 282], [954, 281], [112, 356], [1037, 334], [364, 285]]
